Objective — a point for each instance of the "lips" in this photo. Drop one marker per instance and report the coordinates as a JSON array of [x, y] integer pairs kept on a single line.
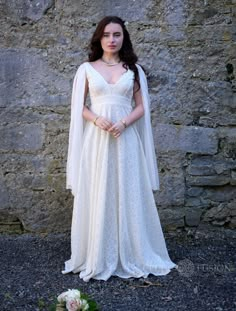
[[111, 46]]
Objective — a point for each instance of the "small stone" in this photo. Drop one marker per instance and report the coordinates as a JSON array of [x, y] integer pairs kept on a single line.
[[172, 219], [218, 213], [233, 178], [232, 223], [214, 180], [192, 217]]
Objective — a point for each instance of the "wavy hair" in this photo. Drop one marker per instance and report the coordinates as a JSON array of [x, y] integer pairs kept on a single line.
[[126, 53]]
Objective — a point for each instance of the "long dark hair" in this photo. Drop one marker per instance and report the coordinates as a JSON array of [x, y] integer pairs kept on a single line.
[[126, 53]]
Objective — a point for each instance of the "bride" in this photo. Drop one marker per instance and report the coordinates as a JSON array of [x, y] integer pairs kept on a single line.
[[111, 165]]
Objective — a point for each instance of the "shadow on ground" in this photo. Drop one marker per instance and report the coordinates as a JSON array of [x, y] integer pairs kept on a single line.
[[31, 275]]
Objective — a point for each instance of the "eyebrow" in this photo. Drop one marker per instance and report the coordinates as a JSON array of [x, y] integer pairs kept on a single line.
[[107, 32]]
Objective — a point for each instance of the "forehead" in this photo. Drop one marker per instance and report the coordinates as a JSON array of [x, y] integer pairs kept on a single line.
[[113, 27]]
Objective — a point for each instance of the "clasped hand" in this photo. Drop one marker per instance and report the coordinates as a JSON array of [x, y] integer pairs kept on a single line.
[[115, 129]]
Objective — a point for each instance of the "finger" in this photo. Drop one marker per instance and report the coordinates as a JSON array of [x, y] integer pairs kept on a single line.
[[109, 125], [117, 135], [106, 121], [115, 131]]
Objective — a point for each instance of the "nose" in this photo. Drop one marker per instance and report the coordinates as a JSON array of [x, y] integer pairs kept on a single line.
[[112, 38]]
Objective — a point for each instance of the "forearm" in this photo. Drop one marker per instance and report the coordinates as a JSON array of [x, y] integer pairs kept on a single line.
[[135, 114], [88, 115], [100, 121]]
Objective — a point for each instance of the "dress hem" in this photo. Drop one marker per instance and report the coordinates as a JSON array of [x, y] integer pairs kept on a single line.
[[162, 272]]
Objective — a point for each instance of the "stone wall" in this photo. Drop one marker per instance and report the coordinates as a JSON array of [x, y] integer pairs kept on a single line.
[[188, 49]]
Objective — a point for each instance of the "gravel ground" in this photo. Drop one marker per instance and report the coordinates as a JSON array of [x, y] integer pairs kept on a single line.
[[31, 275]]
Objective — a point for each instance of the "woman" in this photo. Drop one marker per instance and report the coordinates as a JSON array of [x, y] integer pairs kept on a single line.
[[111, 165]]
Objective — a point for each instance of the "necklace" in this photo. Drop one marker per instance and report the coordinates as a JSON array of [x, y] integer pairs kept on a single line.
[[109, 64]]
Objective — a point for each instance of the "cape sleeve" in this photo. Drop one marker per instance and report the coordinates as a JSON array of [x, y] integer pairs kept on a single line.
[[76, 130], [145, 131]]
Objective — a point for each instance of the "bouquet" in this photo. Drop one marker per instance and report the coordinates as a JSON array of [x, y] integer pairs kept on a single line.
[[74, 300]]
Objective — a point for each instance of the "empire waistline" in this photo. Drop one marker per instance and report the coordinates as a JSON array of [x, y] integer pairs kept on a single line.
[[111, 100]]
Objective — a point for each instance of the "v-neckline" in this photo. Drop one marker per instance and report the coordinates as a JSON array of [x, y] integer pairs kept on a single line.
[[110, 84]]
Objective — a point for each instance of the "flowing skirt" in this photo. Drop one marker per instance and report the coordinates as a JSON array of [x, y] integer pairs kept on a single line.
[[115, 229]]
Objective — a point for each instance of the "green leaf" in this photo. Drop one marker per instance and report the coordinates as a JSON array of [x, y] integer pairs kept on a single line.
[[52, 308]]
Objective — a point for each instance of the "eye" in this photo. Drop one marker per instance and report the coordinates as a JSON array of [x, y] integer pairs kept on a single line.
[[105, 35]]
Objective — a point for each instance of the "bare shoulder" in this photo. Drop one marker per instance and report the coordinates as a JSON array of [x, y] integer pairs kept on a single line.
[[88, 62], [97, 64], [83, 66]]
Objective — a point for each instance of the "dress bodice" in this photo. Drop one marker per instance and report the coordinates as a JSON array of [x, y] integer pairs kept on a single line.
[[101, 90]]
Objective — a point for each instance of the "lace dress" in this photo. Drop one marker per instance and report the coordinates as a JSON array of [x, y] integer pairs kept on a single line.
[[115, 225]]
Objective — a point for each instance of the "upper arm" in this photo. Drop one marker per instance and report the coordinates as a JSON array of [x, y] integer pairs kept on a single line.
[[137, 96], [86, 88]]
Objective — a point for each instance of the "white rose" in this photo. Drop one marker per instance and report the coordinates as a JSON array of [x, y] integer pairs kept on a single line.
[[73, 293], [84, 305], [62, 297], [70, 294], [73, 304]]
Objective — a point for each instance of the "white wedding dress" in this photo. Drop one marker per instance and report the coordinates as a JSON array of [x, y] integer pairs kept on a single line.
[[115, 225]]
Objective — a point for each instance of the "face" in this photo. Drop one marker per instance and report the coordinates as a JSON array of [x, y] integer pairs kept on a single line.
[[112, 38]]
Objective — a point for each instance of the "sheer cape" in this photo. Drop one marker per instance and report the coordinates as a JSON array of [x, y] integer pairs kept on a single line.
[[77, 124]]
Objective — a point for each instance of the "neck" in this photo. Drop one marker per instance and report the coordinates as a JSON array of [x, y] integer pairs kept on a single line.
[[111, 57]]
